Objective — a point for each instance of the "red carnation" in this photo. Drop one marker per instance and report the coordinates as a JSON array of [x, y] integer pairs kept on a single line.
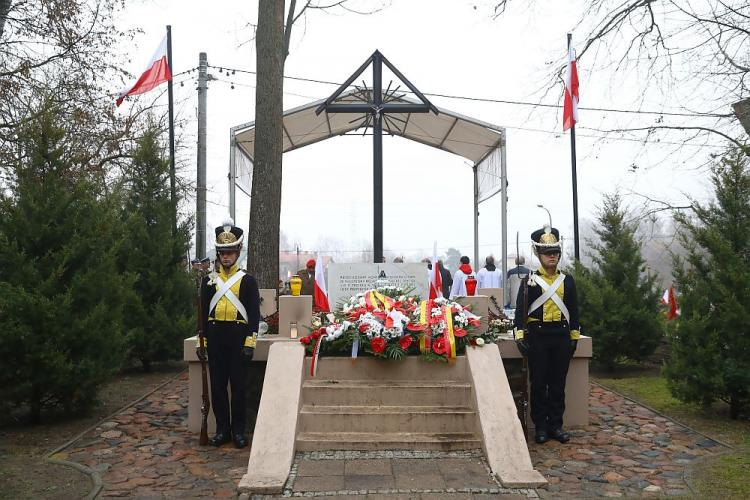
[[415, 327], [363, 327], [459, 332], [439, 346], [405, 342], [377, 344], [474, 322], [315, 334]]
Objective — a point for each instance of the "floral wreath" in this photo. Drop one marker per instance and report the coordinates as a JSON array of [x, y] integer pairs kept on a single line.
[[390, 323]]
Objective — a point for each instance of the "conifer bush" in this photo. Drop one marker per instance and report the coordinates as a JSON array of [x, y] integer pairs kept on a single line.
[[61, 294], [160, 311], [618, 299], [710, 358]]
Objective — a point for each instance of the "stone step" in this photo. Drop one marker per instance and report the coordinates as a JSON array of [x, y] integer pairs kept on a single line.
[[386, 392], [385, 419], [341, 368], [449, 441]]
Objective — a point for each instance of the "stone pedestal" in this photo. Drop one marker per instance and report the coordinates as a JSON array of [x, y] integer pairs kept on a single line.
[[577, 383], [295, 317], [479, 305]]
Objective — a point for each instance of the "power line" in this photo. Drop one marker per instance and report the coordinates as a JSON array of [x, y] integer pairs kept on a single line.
[[503, 101]]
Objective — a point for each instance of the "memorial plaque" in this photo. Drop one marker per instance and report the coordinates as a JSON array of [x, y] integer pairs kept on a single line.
[[345, 280]]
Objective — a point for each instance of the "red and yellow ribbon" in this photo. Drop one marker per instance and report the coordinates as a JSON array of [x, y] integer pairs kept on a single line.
[[425, 317], [450, 339], [425, 310], [377, 300]]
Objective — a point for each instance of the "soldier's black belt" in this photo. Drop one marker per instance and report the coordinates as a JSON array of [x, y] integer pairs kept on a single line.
[[549, 327]]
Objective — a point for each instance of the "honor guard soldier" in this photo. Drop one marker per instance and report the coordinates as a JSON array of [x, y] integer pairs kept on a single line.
[[547, 332], [232, 314]]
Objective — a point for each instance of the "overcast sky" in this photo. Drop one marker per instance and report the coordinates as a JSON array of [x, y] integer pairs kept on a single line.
[[444, 47]]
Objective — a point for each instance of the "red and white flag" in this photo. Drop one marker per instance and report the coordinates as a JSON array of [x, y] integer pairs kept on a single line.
[[157, 71], [570, 106], [320, 292], [436, 281], [670, 301]]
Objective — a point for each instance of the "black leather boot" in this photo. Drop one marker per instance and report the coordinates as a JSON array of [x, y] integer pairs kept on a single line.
[[240, 441], [559, 435], [540, 436], [219, 439]]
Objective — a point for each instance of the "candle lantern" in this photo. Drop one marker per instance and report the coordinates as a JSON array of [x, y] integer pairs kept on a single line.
[[471, 285]]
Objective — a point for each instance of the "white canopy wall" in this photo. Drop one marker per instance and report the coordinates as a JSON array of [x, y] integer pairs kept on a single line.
[[481, 143]]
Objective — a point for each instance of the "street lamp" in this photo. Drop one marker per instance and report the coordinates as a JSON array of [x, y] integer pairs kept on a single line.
[[548, 214]]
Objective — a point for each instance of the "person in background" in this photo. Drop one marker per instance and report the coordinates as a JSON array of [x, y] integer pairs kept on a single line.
[[446, 279], [307, 276], [489, 276], [514, 279], [458, 288], [398, 260], [231, 303], [547, 334]]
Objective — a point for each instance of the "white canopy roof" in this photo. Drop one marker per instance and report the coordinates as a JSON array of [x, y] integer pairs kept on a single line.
[[447, 130]]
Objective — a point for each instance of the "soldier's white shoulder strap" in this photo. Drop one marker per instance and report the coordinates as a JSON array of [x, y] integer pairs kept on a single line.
[[549, 292], [225, 290]]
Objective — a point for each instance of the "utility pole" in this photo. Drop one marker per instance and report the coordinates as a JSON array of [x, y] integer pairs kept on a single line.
[[200, 198]]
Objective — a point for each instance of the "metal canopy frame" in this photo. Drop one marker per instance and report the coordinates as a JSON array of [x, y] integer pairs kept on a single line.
[[376, 109], [473, 139]]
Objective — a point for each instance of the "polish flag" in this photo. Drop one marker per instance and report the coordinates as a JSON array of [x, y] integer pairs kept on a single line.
[[570, 106], [320, 292], [436, 282], [157, 71], [670, 301]]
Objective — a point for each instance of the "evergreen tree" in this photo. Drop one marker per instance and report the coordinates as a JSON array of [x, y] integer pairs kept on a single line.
[[619, 300], [160, 312], [60, 294], [711, 344]]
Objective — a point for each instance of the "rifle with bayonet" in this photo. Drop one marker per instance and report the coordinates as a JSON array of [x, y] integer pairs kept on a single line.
[[523, 411], [201, 268]]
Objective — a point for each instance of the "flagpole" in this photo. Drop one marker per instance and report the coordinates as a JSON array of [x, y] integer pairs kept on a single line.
[[575, 179], [172, 187]]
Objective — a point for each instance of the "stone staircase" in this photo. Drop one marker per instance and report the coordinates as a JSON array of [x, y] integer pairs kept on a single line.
[[388, 407], [370, 404]]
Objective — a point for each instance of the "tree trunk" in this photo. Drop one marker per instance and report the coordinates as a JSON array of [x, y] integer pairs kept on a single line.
[[35, 406], [4, 8], [265, 202], [734, 407]]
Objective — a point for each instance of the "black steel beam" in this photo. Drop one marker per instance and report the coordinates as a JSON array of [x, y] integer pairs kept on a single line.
[[370, 108], [377, 156]]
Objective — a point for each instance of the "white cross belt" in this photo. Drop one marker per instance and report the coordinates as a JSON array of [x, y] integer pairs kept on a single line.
[[225, 290], [550, 292]]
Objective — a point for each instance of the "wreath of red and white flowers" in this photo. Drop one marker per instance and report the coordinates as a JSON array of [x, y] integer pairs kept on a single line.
[[389, 323]]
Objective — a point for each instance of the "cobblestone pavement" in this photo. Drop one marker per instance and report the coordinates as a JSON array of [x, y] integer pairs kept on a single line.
[[627, 450]]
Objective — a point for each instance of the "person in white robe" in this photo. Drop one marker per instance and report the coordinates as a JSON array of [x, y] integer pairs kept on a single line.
[[489, 276]]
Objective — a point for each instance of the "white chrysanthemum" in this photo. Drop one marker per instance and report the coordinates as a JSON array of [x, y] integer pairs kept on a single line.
[[480, 341]]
